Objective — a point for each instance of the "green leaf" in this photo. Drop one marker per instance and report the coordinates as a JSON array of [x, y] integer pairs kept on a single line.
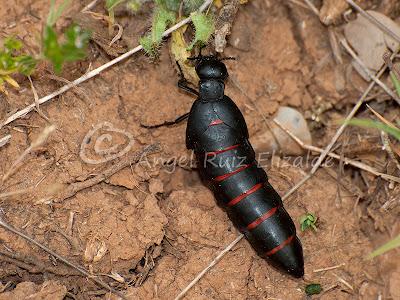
[[172, 5], [76, 43], [111, 4], [378, 125], [162, 18], [147, 45], [396, 82], [190, 6], [308, 220], [204, 26], [11, 44], [73, 49], [386, 247], [55, 13], [313, 289], [51, 48], [26, 64]]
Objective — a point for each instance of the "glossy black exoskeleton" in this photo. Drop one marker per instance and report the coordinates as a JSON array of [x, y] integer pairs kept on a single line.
[[217, 133]]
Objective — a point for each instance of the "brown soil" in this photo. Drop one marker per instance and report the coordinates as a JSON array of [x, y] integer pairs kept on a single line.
[[157, 228]]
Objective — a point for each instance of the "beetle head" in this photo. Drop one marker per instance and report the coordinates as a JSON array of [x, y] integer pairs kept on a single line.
[[210, 67]]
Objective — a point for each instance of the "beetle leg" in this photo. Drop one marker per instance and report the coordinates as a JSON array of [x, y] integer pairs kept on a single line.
[[183, 83], [168, 123]]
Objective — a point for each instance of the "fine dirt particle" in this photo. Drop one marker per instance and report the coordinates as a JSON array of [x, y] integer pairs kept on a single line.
[[48, 290]]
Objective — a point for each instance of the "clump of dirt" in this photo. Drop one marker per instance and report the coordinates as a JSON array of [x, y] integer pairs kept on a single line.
[[150, 228]]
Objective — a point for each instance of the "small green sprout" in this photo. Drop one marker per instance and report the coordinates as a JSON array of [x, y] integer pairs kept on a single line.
[[110, 6], [11, 63], [162, 18], [165, 13], [74, 46], [308, 220], [313, 289], [204, 27], [392, 244]]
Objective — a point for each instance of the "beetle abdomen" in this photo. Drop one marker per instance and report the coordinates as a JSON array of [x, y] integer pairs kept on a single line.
[[227, 163]]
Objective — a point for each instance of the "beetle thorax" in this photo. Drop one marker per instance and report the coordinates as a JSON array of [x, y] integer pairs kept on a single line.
[[211, 90]]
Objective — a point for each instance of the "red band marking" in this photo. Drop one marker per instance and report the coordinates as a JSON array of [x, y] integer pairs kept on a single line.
[[281, 246], [245, 194], [222, 150], [227, 175], [216, 122], [261, 219]]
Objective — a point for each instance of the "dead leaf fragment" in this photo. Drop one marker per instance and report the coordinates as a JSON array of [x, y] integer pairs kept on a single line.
[[332, 10], [278, 140], [95, 251], [370, 42]]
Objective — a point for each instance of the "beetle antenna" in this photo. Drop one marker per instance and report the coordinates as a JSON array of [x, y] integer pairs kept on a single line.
[[228, 58]]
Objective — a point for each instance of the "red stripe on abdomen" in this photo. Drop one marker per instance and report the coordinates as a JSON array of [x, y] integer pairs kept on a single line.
[[245, 194], [261, 219], [222, 150], [216, 122], [227, 175], [281, 246]]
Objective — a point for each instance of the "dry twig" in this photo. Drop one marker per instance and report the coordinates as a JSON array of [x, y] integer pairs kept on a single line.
[[39, 141], [368, 72], [374, 21], [73, 188], [96, 71], [4, 140], [81, 270], [346, 160], [224, 23], [312, 7], [314, 169]]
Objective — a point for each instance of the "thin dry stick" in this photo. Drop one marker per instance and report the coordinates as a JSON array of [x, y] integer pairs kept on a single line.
[[96, 71], [81, 270], [329, 268], [296, 2], [90, 5], [4, 140], [348, 118], [223, 252], [73, 188], [369, 73], [316, 166], [346, 160], [340, 279], [374, 21], [385, 137], [36, 97], [14, 193], [39, 141], [312, 7], [380, 117], [213, 263]]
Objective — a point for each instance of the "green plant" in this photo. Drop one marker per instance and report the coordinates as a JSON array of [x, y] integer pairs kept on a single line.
[[395, 132], [12, 63], [392, 244], [74, 46], [204, 27], [110, 6], [165, 14], [308, 220], [313, 289], [162, 18]]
